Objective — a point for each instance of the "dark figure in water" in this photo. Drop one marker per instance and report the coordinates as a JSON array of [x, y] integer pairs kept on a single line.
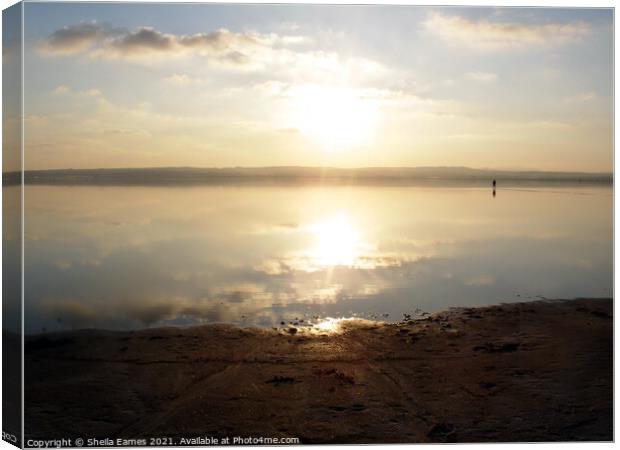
[[494, 184]]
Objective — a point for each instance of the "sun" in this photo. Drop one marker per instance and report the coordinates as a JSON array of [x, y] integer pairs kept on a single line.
[[335, 117]]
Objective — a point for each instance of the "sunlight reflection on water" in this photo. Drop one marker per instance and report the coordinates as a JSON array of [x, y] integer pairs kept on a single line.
[[136, 257], [330, 325]]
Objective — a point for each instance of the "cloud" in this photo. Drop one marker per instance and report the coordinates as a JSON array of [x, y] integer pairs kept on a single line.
[[75, 39], [222, 40], [487, 35], [179, 79], [91, 93], [481, 77], [146, 43], [143, 40], [582, 97], [60, 90], [66, 90]]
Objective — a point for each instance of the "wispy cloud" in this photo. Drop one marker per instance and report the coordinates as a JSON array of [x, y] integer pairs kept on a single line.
[[481, 77], [66, 90], [582, 97], [490, 35], [181, 79], [60, 90], [91, 93]]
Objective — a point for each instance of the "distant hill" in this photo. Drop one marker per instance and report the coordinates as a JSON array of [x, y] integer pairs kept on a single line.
[[292, 174]]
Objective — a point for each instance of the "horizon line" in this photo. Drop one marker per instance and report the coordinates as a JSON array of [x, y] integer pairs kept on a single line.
[[486, 169]]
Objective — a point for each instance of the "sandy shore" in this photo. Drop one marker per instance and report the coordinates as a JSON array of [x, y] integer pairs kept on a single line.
[[538, 371]]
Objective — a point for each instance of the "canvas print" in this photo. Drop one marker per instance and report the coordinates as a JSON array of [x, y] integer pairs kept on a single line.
[[288, 224]]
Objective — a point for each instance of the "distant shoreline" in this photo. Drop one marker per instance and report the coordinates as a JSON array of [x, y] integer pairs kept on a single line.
[[297, 175]]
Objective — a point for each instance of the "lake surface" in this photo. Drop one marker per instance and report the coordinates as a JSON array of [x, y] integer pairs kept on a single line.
[[133, 257]]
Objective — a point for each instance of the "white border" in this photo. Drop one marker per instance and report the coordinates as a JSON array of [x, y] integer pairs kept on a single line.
[[484, 3]]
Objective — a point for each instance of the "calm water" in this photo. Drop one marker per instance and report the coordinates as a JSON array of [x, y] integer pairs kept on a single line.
[[132, 257]]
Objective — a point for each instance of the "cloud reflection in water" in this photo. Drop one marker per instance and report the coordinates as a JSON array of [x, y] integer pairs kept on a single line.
[[124, 258]]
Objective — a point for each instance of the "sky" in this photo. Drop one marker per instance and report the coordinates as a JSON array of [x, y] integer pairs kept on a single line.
[[148, 85]]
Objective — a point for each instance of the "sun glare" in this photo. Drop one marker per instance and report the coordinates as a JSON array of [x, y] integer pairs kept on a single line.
[[336, 117]]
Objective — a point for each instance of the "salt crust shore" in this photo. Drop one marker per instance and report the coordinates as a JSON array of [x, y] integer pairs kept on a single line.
[[535, 371]]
